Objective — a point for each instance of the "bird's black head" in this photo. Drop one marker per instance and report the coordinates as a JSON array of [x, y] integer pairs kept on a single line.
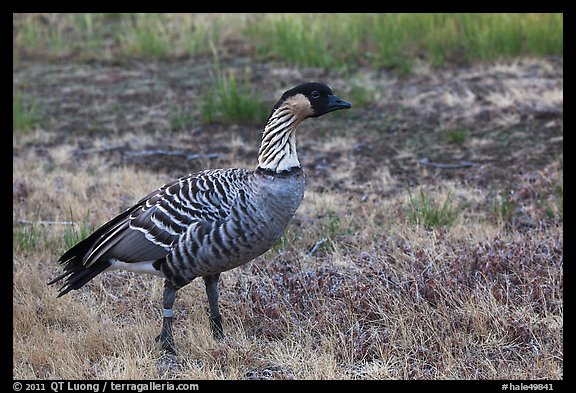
[[312, 99]]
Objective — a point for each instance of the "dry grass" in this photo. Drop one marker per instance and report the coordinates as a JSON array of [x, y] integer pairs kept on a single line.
[[381, 297], [385, 301]]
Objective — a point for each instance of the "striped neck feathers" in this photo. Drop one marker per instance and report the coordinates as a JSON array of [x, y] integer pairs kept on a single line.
[[278, 149]]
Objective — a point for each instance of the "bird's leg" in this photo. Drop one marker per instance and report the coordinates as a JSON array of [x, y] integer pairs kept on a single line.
[[215, 317], [166, 338]]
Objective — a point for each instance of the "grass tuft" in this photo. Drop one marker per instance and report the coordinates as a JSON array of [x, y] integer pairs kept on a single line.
[[24, 113], [457, 135], [430, 213], [181, 118], [72, 235], [559, 194], [28, 237], [297, 39], [231, 101], [503, 208]]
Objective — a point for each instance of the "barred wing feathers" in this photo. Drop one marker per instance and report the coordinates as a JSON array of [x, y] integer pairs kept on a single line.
[[150, 229]]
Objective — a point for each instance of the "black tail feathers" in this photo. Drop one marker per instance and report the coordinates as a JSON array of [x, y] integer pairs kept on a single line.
[[76, 274]]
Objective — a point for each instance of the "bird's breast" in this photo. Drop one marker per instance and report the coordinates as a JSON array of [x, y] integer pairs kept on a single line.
[[259, 215], [276, 200]]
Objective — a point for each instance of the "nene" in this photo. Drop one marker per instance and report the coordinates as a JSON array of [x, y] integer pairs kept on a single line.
[[209, 222]]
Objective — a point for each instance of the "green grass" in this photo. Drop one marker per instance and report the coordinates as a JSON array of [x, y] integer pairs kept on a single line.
[[181, 118], [232, 101], [287, 241], [297, 39], [559, 193], [115, 36], [59, 35], [75, 233], [341, 41], [429, 212], [503, 208], [331, 225], [28, 237], [149, 43], [37, 234], [456, 135], [168, 35], [396, 40], [24, 113], [553, 206]]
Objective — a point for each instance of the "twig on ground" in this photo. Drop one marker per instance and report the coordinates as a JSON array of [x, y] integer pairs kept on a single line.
[[461, 164], [101, 149], [28, 222], [148, 152], [316, 246], [173, 153]]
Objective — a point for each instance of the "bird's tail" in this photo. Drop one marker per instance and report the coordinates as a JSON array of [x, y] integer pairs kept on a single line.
[[76, 273]]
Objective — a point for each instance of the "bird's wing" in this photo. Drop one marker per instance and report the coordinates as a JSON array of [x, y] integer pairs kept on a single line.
[[148, 230]]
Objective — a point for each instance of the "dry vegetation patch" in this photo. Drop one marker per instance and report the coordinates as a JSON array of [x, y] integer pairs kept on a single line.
[[362, 284]]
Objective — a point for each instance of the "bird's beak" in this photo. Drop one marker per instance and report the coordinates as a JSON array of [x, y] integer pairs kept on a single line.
[[335, 103]]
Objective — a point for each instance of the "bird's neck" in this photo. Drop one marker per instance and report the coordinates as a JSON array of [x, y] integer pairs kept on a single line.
[[278, 149]]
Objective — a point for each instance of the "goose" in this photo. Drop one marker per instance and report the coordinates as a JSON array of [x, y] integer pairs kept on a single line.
[[206, 223]]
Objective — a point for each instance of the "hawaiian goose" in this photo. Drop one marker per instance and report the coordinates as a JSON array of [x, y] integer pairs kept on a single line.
[[208, 222]]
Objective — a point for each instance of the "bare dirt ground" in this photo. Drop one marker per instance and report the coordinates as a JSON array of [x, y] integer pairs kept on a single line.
[[381, 297], [512, 115]]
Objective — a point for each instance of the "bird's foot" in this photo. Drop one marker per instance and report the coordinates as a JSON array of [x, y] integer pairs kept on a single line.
[[216, 326], [167, 341]]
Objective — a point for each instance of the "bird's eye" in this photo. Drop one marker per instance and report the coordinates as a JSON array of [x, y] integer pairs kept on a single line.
[[315, 94]]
